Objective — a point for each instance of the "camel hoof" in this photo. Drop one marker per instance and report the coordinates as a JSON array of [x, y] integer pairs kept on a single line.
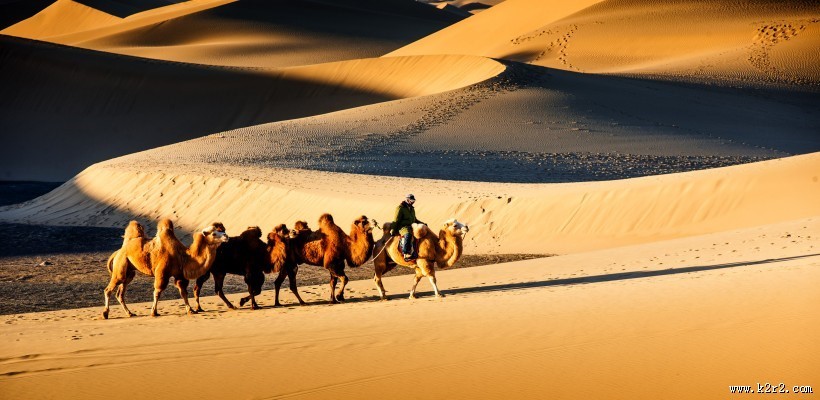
[[131, 315], [302, 303], [241, 302], [413, 297], [154, 314], [191, 311], [255, 307], [278, 305], [105, 314], [199, 310], [440, 295]]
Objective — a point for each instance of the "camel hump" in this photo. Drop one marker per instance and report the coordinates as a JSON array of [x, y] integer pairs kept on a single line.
[[326, 219], [253, 232], [165, 224], [420, 230]]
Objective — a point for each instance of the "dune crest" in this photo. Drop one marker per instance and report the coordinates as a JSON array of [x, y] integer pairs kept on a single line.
[[61, 18], [760, 42]]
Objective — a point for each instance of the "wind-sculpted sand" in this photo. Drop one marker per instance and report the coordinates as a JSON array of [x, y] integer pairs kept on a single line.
[[664, 153], [240, 33], [752, 42]]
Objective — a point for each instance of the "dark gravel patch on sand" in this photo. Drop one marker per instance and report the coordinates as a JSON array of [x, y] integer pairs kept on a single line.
[[515, 167]]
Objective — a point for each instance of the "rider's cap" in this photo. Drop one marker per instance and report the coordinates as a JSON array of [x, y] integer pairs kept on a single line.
[[410, 197]]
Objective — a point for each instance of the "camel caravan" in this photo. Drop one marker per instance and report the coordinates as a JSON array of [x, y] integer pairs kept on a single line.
[[214, 253]]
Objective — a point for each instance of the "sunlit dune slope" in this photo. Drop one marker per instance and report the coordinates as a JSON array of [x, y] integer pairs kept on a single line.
[[757, 41], [62, 17], [504, 218], [64, 108], [260, 33]]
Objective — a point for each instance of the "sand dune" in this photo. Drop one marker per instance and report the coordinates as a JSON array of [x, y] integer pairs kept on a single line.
[[675, 319], [60, 18], [248, 33], [674, 279], [748, 41], [67, 21], [504, 218], [70, 100]]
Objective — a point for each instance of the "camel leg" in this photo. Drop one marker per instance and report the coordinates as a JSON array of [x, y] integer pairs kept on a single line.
[[118, 265], [417, 278], [218, 281], [429, 271], [182, 286], [377, 277], [379, 269], [292, 284], [198, 288], [278, 285], [252, 296], [341, 295], [160, 283], [333, 280], [121, 292], [107, 294]]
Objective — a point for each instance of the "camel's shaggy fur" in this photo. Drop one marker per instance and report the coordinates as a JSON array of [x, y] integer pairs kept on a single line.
[[443, 250], [162, 257], [242, 255], [330, 247], [282, 260]]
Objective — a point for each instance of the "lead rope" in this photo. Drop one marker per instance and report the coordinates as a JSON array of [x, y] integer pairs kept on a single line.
[[384, 247]]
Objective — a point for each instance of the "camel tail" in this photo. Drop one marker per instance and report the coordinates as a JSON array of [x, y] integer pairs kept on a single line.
[[110, 264]]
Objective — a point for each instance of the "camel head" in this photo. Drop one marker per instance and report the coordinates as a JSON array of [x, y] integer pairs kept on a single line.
[[300, 227], [215, 234], [364, 224], [455, 228], [134, 230], [281, 231]]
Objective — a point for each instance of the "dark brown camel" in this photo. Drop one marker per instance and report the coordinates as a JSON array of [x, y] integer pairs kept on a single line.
[[242, 255]]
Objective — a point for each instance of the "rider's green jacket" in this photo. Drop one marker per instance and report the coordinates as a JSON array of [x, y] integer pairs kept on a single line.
[[405, 217]]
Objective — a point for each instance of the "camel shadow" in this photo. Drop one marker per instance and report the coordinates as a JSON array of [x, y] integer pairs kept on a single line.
[[612, 277]]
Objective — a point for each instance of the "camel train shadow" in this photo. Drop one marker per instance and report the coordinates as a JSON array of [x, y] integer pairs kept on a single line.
[[620, 276]]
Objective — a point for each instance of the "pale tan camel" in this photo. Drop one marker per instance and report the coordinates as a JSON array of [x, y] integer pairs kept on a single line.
[[444, 250], [162, 257], [330, 247]]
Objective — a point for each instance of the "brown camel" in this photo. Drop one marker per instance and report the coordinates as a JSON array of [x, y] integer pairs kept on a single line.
[[242, 255], [282, 261], [162, 257], [330, 247], [444, 250]]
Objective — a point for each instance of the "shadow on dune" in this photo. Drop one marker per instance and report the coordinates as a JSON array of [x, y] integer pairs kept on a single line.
[[65, 108], [616, 276]]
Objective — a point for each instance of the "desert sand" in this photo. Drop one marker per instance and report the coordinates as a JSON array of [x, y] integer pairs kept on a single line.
[[674, 319], [666, 154]]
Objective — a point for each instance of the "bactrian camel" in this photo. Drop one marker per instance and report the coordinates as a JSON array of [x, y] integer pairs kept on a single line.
[[330, 247], [162, 257], [242, 255], [444, 251]]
